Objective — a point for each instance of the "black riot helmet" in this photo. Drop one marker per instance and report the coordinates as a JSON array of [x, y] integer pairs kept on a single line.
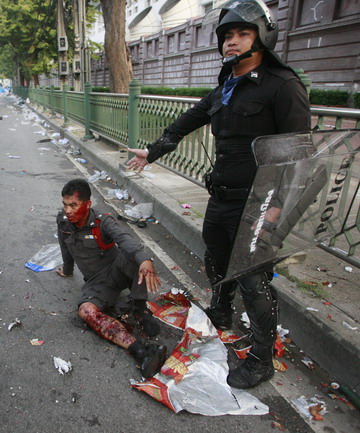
[[243, 13]]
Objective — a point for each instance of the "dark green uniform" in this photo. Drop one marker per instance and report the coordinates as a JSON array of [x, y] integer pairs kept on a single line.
[[106, 271]]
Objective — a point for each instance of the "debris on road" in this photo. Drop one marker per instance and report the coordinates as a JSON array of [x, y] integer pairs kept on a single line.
[[279, 365], [312, 408], [351, 395], [46, 259], [63, 141], [141, 210], [98, 175], [309, 363], [17, 322], [171, 308], [120, 194], [228, 337], [62, 366], [37, 342], [348, 326], [194, 376]]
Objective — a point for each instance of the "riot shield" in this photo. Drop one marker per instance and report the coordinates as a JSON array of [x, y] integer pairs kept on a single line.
[[303, 186]]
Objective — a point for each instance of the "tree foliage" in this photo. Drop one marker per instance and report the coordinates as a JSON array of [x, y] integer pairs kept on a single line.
[[29, 37], [28, 34], [116, 50]]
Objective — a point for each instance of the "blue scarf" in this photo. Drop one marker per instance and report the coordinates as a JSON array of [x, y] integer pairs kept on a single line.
[[229, 87]]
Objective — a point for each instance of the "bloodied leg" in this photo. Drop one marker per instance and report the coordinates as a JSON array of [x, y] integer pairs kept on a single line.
[[107, 327], [150, 357]]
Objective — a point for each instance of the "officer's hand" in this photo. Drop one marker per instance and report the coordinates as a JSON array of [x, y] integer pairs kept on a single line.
[[60, 271], [271, 216], [139, 161], [147, 271]]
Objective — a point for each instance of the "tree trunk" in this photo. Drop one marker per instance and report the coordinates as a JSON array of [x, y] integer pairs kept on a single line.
[[36, 80], [116, 50]]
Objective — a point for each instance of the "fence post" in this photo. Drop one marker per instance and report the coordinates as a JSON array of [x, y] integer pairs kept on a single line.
[[43, 90], [87, 111], [65, 105], [37, 97], [52, 111], [133, 119], [304, 78]]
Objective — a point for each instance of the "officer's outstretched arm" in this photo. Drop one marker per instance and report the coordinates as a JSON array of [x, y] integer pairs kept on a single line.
[[163, 145]]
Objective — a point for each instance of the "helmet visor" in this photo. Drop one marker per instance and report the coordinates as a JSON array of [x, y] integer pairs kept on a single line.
[[247, 10]]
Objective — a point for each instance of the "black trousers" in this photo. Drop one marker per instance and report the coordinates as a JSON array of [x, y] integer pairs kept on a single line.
[[221, 221]]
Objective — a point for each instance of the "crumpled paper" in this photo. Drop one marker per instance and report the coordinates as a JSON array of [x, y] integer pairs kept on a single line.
[[194, 376]]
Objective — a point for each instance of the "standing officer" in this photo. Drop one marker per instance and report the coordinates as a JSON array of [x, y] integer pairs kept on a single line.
[[110, 261], [257, 95]]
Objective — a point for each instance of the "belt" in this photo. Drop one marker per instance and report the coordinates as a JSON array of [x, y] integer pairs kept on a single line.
[[227, 194]]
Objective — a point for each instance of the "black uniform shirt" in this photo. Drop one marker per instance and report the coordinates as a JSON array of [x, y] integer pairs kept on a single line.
[[79, 245], [269, 100]]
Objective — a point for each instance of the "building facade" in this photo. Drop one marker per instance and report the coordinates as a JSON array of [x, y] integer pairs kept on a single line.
[[169, 48], [320, 36]]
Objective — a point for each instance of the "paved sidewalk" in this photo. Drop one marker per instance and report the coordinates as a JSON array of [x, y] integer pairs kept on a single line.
[[321, 334]]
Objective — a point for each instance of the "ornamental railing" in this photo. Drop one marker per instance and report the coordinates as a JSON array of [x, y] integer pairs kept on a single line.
[[135, 120]]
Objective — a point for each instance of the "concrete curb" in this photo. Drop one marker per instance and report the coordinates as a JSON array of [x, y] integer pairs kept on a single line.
[[335, 349], [328, 343]]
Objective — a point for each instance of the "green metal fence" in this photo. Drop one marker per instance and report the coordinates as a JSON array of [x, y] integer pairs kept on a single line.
[[136, 120], [192, 158], [109, 115]]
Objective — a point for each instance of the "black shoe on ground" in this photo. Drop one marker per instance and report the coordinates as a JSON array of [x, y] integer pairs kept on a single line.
[[145, 318], [251, 373], [221, 319], [150, 325], [150, 357]]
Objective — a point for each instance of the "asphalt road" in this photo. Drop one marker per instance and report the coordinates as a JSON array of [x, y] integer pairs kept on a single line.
[[96, 396]]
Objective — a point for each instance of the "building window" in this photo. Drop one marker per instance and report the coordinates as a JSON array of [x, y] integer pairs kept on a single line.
[[136, 9], [208, 7], [181, 41], [347, 8], [319, 11], [134, 51], [311, 12], [156, 47], [199, 37], [148, 3], [170, 44], [149, 49]]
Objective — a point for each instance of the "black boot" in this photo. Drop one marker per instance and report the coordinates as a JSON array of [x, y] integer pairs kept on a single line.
[[251, 373], [150, 325], [220, 310], [221, 318], [150, 357]]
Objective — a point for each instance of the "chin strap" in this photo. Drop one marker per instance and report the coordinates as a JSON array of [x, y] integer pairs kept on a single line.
[[234, 60]]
